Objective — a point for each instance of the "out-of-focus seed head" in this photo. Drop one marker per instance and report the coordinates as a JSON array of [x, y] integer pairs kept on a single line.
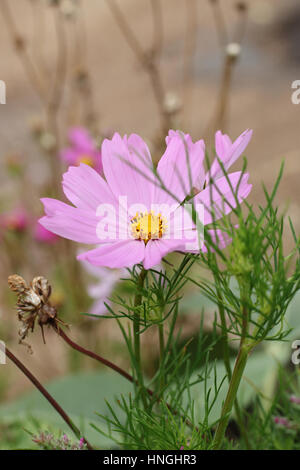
[[17, 283], [33, 303], [41, 287]]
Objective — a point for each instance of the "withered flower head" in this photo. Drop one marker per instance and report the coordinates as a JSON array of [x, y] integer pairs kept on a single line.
[[17, 283], [33, 303]]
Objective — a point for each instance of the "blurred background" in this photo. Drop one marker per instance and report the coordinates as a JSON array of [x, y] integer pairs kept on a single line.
[[127, 66]]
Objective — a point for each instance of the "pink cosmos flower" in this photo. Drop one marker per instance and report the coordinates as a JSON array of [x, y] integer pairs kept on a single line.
[[227, 152], [101, 290], [41, 234], [82, 149], [16, 220], [150, 229]]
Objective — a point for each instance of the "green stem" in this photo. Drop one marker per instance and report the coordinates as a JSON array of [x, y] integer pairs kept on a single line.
[[237, 374], [136, 331], [117, 369], [226, 357], [162, 354]]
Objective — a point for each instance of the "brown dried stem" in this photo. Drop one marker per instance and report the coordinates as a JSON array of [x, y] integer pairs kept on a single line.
[[147, 60], [21, 49], [189, 49], [47, 395]]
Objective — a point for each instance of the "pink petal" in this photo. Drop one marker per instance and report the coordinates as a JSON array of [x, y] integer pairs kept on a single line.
[[157, 249], [69, 222], [180, 167], [86, 189], [127, 167], [219, 238], [227, 152], [99, 307], [191, 245], [125, 253], [69, 155], [81, 138], [214, 197], [222, 144]]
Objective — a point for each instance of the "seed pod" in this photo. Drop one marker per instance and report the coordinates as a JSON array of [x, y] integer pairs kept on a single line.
[[42, 288], [17, 283]]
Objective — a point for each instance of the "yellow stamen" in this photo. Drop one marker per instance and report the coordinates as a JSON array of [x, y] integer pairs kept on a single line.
[[148, 226], [86, 159]]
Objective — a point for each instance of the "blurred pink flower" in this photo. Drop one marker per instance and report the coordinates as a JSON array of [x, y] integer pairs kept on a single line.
[[282, 421], [128, 170], [82, 149], [41, 234], [294, 399], [107, 280], [16, 220]]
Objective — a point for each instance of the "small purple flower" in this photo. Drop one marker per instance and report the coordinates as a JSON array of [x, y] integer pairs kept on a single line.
[[282, 421], [294, 399], [16, 220], [82, 149], [81, 443]]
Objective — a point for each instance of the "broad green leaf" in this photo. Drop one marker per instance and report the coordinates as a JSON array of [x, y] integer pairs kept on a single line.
[[80, 395]]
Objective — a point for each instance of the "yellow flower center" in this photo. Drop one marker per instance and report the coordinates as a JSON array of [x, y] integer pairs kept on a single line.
[[86, 159], [148, 226]]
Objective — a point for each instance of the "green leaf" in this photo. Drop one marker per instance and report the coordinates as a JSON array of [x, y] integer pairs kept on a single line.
[[258, 365], [81, 396]]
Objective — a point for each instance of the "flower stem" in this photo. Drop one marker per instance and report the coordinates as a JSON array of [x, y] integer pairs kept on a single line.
[[93, 355], [162, 353], [117, 369], [136, 331], [47, 395], [238, 370], [226, 357]]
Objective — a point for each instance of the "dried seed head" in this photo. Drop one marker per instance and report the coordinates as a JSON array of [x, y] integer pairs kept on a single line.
[[33, 303], [42, 288], [17, 283], [29, 301]]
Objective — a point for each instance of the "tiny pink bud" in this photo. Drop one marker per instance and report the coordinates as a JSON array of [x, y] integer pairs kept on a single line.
[[295, 399]]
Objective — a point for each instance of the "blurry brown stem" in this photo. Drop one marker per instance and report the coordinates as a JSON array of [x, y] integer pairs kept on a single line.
[[93, 355], [42, 89], [242, 22], [224, 93], [189, 49], [53, 104], [158, 26], [47, 395], [61, 62], [82, 76], [38, 13], [148, 61], [219, 120], [126, 30], [20, 46], [220, 23]]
